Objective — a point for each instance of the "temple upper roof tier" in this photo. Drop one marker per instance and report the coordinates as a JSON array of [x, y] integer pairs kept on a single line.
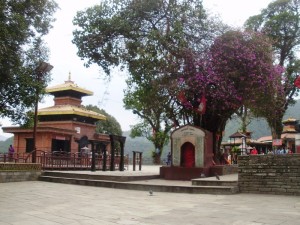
[[67, 99], [69, 88]]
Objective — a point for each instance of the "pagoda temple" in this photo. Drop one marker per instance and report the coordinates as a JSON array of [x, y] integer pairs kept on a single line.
[[66, 127]]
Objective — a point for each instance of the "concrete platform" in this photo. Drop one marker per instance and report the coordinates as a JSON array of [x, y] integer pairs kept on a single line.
[[145, 180]]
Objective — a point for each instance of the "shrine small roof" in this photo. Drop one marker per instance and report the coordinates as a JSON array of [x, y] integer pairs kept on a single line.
[[289, 130], [288, 136], [248, 142], [69, 85], [265, 139], [283, 136], [237, 135], [70, 110], [289, 120]]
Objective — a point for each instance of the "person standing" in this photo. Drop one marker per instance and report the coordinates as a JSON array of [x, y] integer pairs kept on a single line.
[[254, 151], [169, 159], [229, 159], [11, 152]]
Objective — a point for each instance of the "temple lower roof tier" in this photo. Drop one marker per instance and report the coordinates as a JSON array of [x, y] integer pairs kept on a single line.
[[70, 110]]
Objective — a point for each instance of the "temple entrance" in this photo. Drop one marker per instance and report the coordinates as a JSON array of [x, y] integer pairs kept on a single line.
[[187, 155], [60, 145]]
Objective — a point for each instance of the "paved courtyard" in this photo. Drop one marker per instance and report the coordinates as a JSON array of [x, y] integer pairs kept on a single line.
[[37, 202]]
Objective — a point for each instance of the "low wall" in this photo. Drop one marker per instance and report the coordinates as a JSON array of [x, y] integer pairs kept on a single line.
[[181, 173], [223, 169], [14, 172], [269, 174]]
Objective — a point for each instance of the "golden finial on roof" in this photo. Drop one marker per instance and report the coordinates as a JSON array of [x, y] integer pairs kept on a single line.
[[69, 78]]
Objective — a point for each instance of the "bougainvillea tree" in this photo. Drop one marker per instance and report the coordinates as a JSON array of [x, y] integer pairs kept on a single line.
[[237, 70]]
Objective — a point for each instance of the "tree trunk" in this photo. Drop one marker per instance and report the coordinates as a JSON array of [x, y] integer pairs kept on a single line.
[[276, 127], [156, 159]]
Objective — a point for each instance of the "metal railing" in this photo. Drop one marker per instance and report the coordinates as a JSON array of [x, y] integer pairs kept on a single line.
[[65, 160]]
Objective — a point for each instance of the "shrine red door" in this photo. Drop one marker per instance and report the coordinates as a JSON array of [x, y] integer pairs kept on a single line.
[[188, 155]]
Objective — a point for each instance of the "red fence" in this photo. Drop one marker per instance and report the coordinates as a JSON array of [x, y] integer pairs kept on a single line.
[[65, 161]]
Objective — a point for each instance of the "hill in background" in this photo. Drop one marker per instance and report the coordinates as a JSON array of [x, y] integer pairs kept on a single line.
[[5, 144], [142, 144], [258, 127], [2, 138]]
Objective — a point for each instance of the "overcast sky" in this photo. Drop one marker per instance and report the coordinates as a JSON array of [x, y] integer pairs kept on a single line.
[[109, 95]]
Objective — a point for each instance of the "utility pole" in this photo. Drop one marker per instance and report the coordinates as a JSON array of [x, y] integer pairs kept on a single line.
[[41, 70]]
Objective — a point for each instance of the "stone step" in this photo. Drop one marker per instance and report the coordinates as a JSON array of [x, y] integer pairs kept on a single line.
[[199, 182], [224, 180], [191, 189], [120, 178]]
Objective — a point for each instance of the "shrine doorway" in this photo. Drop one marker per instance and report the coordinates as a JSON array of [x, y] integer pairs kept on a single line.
[[60, 145], [187, 155]]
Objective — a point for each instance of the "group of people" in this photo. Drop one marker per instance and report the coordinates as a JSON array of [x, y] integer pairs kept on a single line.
[[281, 151], [276, 151], [231, 159]]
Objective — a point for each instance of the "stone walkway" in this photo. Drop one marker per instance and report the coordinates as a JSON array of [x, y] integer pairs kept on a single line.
[[146, 170], [32, 203]]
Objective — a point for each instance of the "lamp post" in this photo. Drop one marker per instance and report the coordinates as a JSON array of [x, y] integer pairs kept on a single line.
[[243, 146], [42, 69]]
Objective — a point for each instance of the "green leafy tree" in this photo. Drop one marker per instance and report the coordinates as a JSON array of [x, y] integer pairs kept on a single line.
[[281, 22], [28, 121], [108, 126], [151, 104], [150, 38], [22, 26], [148, 32], [170, 47]]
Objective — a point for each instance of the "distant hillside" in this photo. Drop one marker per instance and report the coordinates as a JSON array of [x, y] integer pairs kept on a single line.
[[259, 127], [141, 144], [2, 138], [5, 144], [293, 111]]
